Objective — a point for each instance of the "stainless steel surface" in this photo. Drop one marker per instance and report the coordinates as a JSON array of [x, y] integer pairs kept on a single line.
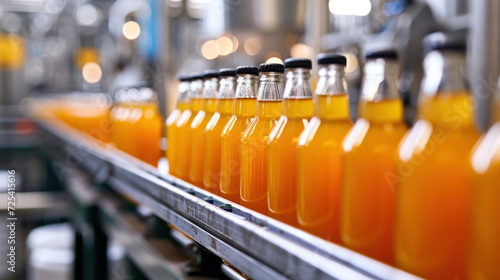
[[157, 258], [230, 273], [256, 245], [484, 58]]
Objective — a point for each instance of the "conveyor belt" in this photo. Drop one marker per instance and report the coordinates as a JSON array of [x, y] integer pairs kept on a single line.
[[258, 246]]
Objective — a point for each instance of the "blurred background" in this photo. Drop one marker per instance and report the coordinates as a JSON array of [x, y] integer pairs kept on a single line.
[[53, 46], [104, 45]]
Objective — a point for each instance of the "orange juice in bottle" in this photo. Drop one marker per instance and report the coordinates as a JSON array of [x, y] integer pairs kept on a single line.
[[253, 164], [368, 198], [96, 116], [210, 92], [433, 185], [122, 133], [282, 143], [213, 131], [319, 152], [183, 135], [485, 227], [182, 104], [244, 112], [148, 127]]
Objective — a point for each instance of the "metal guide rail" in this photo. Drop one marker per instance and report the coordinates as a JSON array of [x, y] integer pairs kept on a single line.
[[258, 246]]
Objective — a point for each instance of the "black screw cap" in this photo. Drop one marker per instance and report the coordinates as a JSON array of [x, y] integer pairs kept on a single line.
[[271, 67], [298, 63], [386, 54], [250, 70], [331, 58]]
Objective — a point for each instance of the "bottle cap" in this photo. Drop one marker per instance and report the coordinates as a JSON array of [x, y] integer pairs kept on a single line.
[[197, 76], [211, 74], [227, 72], [298, 63], [251, 70], [271, 67], [444, 41], [331, 58], [385, 54], [184, 77]]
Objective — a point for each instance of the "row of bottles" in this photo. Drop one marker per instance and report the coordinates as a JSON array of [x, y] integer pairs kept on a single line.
[[132, 123], [136, 124], [417, 199], [87, 112]]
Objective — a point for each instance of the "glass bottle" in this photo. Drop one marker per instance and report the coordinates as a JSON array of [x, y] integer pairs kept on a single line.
[[243, 112], [171, 128], [210, 92], [118, 118], [368, 198], [485, 228], [213, 131], [320, 150], [183, 137], [253, 180], [148, 127], [433, 186], [282, 145]]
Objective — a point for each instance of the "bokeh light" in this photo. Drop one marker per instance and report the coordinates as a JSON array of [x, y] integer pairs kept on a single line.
[[350, 8], [92, 72], [302, 51], [88, 15], [274, 59], [210, 49], [131, 30], [252, 46], [235, 41], [224, 45]]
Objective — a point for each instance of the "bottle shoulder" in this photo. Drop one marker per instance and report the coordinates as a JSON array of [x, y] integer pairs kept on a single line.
[[435, 142], [319, 132], [217, 122], [287, 130], [201, 119], [374, 137], [236, 126], [258, 130], [173, 117]]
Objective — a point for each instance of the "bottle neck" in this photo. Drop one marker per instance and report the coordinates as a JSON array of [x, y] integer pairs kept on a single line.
[[183, 105], [331, 80], [380, 81], [210, 88], [444, 73], [270, 87], [196, 89], [444, 89], [247, 86], [227, 87], [331, 99], [245, 107], [209, 105], [195, 104], [380, 99], [184, 88], [225, 106], [298, 84]]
